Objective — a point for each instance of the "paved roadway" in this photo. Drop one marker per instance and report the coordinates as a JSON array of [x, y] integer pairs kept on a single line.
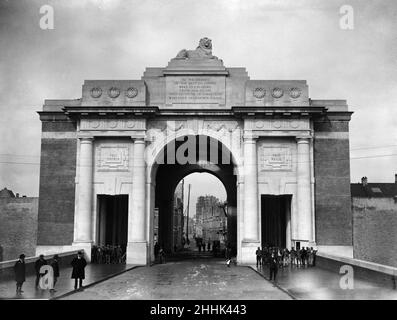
[[185, 280], [314, 283], [202, 279]]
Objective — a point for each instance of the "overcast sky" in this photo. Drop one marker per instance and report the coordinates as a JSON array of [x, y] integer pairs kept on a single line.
[[273, 39]]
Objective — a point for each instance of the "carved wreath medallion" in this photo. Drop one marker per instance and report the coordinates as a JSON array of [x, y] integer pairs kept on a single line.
[[114, 92], [277, 93], [96, 92], [295, 93], [259, 93], [131, 92]]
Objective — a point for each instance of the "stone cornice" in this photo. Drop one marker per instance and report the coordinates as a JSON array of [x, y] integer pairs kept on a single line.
[[335, 116], [71, 113], [90, 111], [53, 116], [206, 72], [300, 111], [195, 112]]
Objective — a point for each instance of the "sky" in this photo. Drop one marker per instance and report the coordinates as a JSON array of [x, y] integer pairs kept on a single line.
[[272, 39]]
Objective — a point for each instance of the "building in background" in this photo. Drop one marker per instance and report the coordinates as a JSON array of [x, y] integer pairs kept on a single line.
[[6, 194], [18, 225], [212, 219], [374, 208]]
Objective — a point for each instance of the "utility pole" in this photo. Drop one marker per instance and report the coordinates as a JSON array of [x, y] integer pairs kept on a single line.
[[187, 217]]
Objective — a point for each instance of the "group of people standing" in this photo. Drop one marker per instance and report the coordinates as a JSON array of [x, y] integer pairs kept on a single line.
[[78, 271], [212, 246], [108, 254], [276, 258], [201, 245]]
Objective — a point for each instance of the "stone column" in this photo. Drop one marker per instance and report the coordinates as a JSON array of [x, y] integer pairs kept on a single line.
[[137, 242], [251, 214], [304, 201], [83, 218], [150, 193]]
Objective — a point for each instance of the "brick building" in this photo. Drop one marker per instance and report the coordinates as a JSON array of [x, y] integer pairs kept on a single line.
[[211, 217], [374, 209], [18, 225]]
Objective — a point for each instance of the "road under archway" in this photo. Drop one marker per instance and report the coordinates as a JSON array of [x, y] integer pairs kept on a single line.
[[168, 175]]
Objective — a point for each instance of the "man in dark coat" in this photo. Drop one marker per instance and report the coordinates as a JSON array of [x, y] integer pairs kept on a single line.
[[273, 266], [162, 255], [55, 268], [19, 269], [258, 254], [78, 273], [119, 254], [38, 264], [303, 256], [156, 250]]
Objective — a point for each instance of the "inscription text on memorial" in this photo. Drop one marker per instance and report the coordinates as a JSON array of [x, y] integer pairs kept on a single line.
[[195, 89]]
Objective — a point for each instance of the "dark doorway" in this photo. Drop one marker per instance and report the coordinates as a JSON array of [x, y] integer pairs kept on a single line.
[[112, 220], [275, 215]]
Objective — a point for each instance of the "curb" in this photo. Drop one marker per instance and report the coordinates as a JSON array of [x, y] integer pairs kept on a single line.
[[276, 285], [69, 293]]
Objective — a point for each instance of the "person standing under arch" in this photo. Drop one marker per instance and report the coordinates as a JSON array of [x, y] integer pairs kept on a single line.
[[258, 257]]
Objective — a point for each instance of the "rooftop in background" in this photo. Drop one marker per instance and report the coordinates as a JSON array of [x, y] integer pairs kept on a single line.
[[5, 193], [374, 190]]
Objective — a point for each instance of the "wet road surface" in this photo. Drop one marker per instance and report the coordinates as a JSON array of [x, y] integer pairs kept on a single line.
[[315, 283], [185, 280]]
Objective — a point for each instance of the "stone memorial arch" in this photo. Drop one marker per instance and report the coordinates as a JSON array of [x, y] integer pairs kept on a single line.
[[106, 158]]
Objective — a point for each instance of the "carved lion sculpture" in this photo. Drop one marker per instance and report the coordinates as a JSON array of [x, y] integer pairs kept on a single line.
[[204, 50]]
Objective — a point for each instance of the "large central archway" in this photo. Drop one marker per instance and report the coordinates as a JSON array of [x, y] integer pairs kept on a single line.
[[178, 158]]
